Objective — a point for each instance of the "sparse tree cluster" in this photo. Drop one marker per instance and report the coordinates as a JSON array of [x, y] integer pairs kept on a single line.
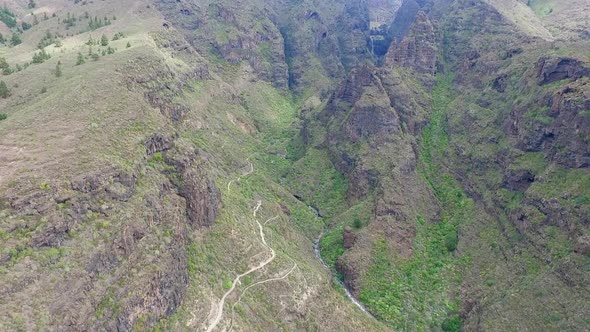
[[7, 17], [49, 39], [41, 57], [96, 23]]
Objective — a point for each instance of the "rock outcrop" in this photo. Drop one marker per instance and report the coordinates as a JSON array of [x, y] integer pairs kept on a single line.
[[418, 49], [550, 70]]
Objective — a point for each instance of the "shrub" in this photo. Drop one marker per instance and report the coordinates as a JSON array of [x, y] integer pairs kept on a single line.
[[58, 69], [452, 324], [104, 41], [3, 116], [4, 91], [357, 223], [80, 59], [451, 241], [16, 39]]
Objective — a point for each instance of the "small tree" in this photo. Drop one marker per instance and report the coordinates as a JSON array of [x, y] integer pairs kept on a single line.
[[15, 40], [2, 40], [4, 92], [128, 44], [5, 67], [32, 4], [58, 69], [80, 60], [104, 41]]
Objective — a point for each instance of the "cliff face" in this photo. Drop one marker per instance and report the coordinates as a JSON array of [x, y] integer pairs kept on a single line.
[[417, 50]]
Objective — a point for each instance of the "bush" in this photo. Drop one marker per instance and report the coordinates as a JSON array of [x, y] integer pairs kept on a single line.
[[80, 59], [104, 41], [451, 241], [4, 91], [452, 324], [357, 223], [16, 39], [3, 116]]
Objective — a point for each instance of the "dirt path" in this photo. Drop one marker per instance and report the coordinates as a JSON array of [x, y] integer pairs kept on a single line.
[[219, 312], [256, 284]]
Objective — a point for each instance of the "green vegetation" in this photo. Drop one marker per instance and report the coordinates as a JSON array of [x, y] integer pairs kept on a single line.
[[80, 60], [5, 67], [16, 39], [3, 116], [104, 40], [415, 291], [41, 57], [96, 23], [49, 39], [541, 7], [4, 91], [540, 115], [58, 71], [7, 17]]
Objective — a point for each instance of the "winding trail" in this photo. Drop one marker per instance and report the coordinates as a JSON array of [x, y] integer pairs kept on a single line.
[[256, 284], [221, 304]]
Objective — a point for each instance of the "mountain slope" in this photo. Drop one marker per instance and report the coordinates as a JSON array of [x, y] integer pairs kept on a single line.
[[169, 165]]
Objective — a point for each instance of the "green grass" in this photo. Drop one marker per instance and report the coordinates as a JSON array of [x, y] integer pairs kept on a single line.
[[318, 182]]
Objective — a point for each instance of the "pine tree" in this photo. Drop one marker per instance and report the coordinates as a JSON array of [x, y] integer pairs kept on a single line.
[[58, 69], [4, 92], [32, 4], [128, 44], [80, 60], [104, 41], [15, 40]]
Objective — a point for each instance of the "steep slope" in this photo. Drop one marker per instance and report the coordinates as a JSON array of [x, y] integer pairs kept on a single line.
[[497, 153], [117, 206]]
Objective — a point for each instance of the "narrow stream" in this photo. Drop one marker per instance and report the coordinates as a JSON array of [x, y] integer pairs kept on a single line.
[[318, 255]]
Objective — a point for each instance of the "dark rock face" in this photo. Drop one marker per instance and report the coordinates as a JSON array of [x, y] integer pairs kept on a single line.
[[371, 120], [499, 84], [519, 180], [561, 128], [157, 143], [203, 199], [351, 275], [550, 70], [418, 49]]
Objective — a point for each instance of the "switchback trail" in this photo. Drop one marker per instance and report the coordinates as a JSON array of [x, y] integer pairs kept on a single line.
[[221, 304]]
